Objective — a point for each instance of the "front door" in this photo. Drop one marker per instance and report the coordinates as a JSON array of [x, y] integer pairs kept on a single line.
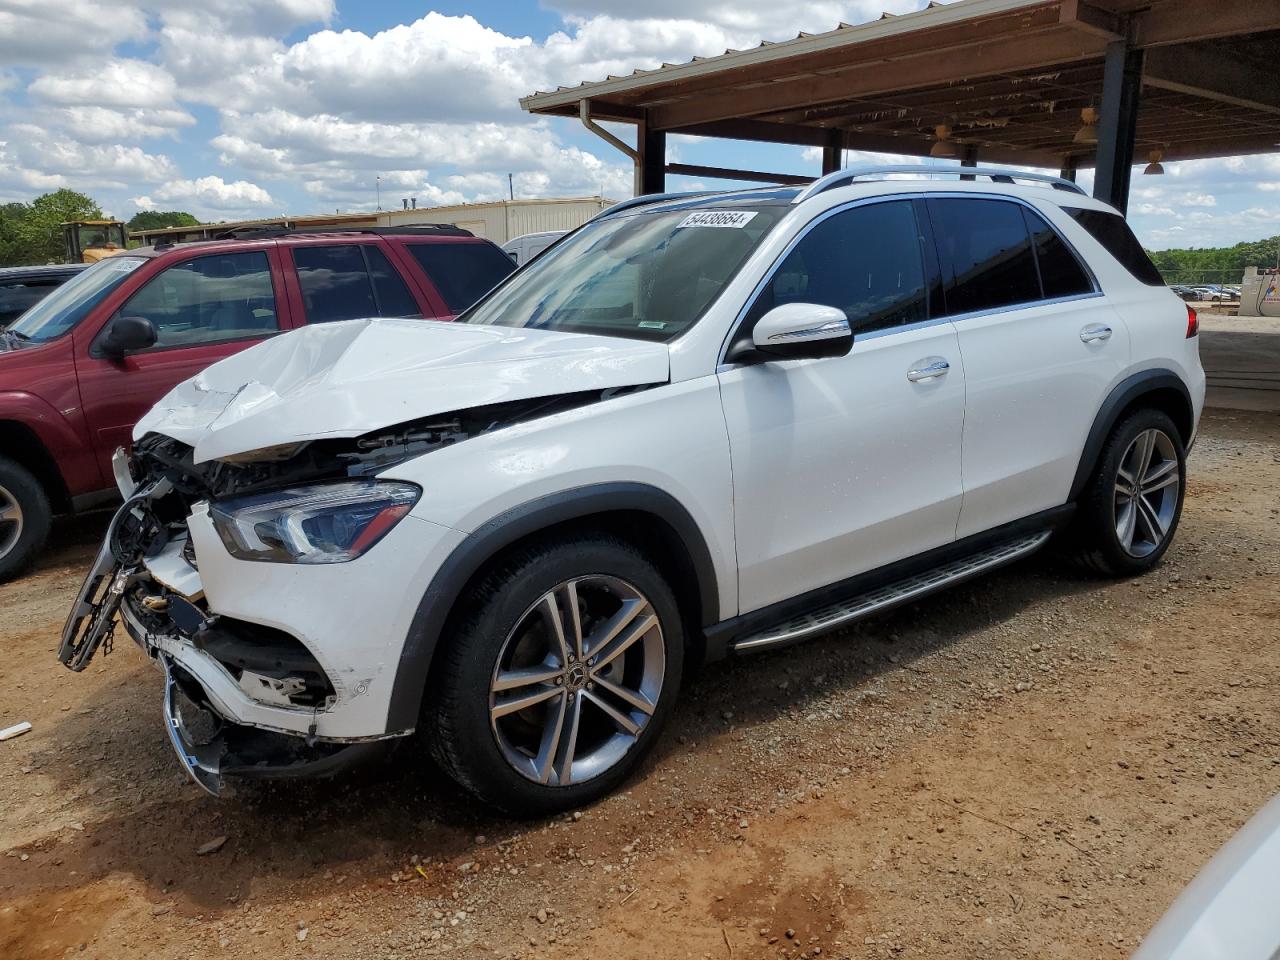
[[844, 464], [204, 308]]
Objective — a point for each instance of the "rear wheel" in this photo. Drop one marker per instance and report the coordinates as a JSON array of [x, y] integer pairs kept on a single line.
[[558, 676], [25, 517], [1130, 509]]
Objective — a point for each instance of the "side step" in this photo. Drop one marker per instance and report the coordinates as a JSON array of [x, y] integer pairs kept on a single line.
[[841, 612]]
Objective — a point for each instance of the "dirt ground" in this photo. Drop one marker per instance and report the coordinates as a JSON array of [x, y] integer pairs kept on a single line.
[[1030, 765]]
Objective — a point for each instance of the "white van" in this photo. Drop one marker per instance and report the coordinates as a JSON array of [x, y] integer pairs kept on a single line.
[[523, 249]]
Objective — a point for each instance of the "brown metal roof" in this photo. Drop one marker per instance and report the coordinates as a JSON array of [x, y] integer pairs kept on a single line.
[[1008, 76]]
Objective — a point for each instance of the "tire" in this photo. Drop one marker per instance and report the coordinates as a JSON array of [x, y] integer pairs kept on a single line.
[[25, 517], [1114, 535], [503, 635]]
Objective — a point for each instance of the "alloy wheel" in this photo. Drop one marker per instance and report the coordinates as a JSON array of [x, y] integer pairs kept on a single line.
[[10, 521], [1146, 492], [577, 680]]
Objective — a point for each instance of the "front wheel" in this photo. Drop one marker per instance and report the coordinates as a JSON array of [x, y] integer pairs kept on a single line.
[[25, 517], [557, 676], [1130, 509]]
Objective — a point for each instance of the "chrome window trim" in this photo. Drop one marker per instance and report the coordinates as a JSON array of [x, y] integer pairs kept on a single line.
[[740, 316]]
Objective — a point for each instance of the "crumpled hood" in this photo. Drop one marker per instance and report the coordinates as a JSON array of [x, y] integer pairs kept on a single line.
[[345, 379]]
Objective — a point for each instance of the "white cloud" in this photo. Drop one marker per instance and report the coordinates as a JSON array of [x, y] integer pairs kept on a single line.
[[211, 193], [113, 83], [107, 125], [44, 32], [46, 161]]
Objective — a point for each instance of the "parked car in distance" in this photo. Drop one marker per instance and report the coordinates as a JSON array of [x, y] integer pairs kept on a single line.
[[79, 368], [525, 248], [699, 426], [23, 287], [1184, 292]]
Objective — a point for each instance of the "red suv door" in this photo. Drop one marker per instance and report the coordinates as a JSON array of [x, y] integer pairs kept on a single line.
[[204, 307]]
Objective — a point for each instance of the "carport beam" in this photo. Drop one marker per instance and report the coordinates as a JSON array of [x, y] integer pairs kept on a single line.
[[1118, 124]]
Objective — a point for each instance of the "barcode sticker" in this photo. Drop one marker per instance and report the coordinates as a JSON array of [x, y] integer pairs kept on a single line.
[[717, 218]]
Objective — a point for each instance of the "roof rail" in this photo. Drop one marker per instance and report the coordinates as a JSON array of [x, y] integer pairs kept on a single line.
[[997, 175], [268, 233], [647, 198]]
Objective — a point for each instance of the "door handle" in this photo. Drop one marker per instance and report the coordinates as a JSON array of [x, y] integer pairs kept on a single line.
[[1095, 331], [934, 369]]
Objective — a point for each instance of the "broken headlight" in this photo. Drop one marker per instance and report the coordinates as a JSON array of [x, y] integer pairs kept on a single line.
[[325, 523]]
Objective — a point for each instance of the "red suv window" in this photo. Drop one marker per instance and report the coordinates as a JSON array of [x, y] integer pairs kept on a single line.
[[462, 272], [348, 281]]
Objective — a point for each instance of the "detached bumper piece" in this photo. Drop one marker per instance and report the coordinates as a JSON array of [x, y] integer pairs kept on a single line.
[[209, 748]]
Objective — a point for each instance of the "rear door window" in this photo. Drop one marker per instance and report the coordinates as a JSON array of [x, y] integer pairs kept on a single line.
[[335, 283], [1061, 274], [986, 255], [462, 272]]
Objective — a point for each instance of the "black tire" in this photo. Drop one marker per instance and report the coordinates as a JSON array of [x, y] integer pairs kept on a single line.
[[18, 487], [1095, 544], [463, 738]]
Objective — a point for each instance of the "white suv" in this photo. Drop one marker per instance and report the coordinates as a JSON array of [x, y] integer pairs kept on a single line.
[[699, 425]]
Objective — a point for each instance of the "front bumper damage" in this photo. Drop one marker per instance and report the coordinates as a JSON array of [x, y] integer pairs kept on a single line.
[[232, 690]]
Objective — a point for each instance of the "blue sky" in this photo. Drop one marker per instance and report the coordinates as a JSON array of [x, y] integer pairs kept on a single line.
[[243, 108]]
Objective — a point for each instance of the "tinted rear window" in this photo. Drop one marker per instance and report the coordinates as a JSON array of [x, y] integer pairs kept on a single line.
[[1110, 230], [462, 272], [335, 283]]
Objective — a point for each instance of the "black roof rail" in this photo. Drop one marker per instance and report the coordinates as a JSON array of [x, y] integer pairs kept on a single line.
[[412, 229]]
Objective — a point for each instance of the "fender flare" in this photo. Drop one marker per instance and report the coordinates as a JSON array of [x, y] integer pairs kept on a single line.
[[1121, 396], [515, 524]]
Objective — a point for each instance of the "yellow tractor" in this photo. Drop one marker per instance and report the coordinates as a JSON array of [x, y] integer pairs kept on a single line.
[[88, 241]]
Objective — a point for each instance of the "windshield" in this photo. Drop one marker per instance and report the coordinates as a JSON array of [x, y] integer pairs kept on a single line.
[[65, 307], [648, 276]]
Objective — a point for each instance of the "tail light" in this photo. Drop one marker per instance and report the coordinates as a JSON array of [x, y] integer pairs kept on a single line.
[[1193, 322]]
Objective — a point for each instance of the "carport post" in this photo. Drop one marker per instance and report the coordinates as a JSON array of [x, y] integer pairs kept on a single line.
[[1118, 123], [651, 165], [1068, 171], [969, 159], [833, 152]]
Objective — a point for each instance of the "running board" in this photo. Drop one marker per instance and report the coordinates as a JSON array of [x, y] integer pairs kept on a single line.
[[845, 611]]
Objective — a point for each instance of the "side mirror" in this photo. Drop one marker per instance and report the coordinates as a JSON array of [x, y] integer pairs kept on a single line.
[[797, 331], [126, 334]]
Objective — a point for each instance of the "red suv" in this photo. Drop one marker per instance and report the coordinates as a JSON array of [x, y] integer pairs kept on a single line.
[[80, 367]]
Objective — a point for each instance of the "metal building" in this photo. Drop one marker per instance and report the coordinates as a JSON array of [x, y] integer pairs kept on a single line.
[[499, 221]]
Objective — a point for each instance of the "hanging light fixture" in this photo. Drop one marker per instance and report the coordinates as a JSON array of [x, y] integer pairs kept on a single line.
[[1154, 167], [943, 146], [1088, 132]]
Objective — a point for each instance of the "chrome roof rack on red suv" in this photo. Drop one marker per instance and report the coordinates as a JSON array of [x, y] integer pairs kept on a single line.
[[842, 178]]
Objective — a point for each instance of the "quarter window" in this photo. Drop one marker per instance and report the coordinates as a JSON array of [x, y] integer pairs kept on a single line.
[[462, 272], [866, 261], [986, 254], [1110, 230], [209, 299]]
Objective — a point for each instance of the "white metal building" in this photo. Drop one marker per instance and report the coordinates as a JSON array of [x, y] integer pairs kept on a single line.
[[498, 220]]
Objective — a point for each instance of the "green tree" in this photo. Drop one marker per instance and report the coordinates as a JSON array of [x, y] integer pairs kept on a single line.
[[41, 227], [155, 219]]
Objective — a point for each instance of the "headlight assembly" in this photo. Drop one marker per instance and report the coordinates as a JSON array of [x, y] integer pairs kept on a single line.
[[324, 523]]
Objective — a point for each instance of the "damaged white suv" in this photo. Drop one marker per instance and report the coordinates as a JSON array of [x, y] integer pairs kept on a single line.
[[698, 425]]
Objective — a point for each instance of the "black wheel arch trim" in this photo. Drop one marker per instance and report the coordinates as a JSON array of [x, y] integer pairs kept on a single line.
[[1122, 395], [527, 519]]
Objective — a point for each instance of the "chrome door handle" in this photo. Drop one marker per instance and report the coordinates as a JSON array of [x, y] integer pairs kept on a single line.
[[1095, 331], [937, 368]]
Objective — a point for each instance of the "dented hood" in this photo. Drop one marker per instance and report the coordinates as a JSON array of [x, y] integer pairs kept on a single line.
[[346, 379]]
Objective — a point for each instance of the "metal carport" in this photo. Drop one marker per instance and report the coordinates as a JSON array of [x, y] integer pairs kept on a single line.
[[997, 81]]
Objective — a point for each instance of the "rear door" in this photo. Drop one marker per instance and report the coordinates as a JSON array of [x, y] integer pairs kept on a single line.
[[350, 280], [204, 307], [1041, 348]]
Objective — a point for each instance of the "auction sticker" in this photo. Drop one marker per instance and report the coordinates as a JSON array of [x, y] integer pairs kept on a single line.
[[717, 218]]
